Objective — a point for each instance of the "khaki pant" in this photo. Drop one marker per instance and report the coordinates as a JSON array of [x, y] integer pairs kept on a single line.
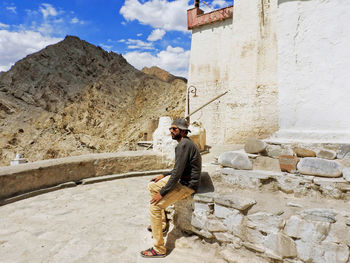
[[158, 220]]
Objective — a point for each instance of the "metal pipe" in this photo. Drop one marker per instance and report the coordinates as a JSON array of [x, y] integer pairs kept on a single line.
[[201, 107], [194, 90]]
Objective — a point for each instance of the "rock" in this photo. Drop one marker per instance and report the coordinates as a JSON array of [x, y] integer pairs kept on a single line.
[[204, 197], [288, 163], [326, 154], [266, 163], [265, 222], [319, 167], [335, 253], [291, 204], [234, 201], [199, 219], [275, 151], [234, 223], [202, 207], [319, 214], [302, 152], [307, 231], [281, 245], [202, 233], [290, 183], [215, 225], [346, 173], [235, 160], [222, 211], [224, 237], [343, 151], [254, 146], [257, 248], [309, 252]]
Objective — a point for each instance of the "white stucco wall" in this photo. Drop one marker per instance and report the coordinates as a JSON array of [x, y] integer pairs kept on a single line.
[[314, 70], [210, 60], [237, 55]]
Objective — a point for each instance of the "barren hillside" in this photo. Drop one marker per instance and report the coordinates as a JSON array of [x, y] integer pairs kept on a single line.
[[74, 98]]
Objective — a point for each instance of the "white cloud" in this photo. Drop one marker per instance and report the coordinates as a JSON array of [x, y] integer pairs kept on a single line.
[[75, 20], [4, 25], [220, 4], [138, 44], [156, 34], [121, 40], [106, 47], [163, 14], [12, 9], [16, 45], [139, 34], [174, 60], [48, 10]]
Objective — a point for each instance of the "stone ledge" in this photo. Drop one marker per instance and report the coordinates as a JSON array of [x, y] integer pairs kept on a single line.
[[24, 178]]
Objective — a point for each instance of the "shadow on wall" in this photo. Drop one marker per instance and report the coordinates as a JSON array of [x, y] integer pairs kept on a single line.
[[206, 184]]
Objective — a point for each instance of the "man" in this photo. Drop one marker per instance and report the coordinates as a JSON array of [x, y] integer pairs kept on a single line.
[[181, 182]]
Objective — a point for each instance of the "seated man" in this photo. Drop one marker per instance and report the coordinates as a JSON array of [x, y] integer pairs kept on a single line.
[[165, 190]]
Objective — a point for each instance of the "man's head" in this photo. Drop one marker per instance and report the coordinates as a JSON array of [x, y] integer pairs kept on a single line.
[[179, 129]]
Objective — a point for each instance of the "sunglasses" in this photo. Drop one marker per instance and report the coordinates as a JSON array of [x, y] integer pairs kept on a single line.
[[173, 128]]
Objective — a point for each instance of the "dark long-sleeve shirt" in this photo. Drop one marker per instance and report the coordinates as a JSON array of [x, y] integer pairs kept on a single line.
[[187, 168]]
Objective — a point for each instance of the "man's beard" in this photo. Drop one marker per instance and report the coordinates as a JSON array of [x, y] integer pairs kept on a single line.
[[176, 136]]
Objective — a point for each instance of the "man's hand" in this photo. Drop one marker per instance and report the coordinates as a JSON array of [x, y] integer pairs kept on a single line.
[[157, 178], [156, 199]]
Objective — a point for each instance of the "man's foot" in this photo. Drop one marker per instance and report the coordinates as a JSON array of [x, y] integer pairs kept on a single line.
[[149, 228], [151, 253]]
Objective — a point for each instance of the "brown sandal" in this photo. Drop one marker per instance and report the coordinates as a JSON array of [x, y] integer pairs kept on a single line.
[[153, 253]]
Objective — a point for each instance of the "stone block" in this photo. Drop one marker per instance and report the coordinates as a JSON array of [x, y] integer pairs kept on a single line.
[[237, 202], [201, 207], [254, 145], [224, 237], [309, 252], [319, 214], [326, 154], [343, 151], [307, 231], [346, 174], [335, 253], [265, 222], [254, 247], [281, 245], [266, 163], [289, 183], [235, 223], [204, 197], [215, 225], [319, 167], [222, 211], [202, 233], [199, 219], [275, 151], [303, 152], [288, 163], [237, 160]]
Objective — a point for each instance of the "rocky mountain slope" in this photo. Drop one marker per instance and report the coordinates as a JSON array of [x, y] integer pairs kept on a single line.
[[74, 98]]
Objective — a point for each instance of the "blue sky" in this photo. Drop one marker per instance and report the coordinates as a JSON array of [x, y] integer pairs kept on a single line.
[[145, 32]]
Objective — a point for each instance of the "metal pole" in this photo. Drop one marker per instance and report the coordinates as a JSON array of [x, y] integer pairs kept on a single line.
[[201, 107]]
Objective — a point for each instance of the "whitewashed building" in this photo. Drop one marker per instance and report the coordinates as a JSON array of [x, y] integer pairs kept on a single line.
[[285, 65]]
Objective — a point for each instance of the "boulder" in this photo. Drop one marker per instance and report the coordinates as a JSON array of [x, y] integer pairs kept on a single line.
[[288, 163], [237, 160], [265, 222], [326, 154], [344, 151], [254, 146], [319, 167], [303, 152]]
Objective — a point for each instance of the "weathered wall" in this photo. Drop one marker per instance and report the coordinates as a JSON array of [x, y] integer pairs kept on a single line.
[[313, 69], [23, 178], [236, 55]]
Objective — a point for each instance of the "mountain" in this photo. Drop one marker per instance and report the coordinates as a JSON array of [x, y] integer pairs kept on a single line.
[[74, 98]]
